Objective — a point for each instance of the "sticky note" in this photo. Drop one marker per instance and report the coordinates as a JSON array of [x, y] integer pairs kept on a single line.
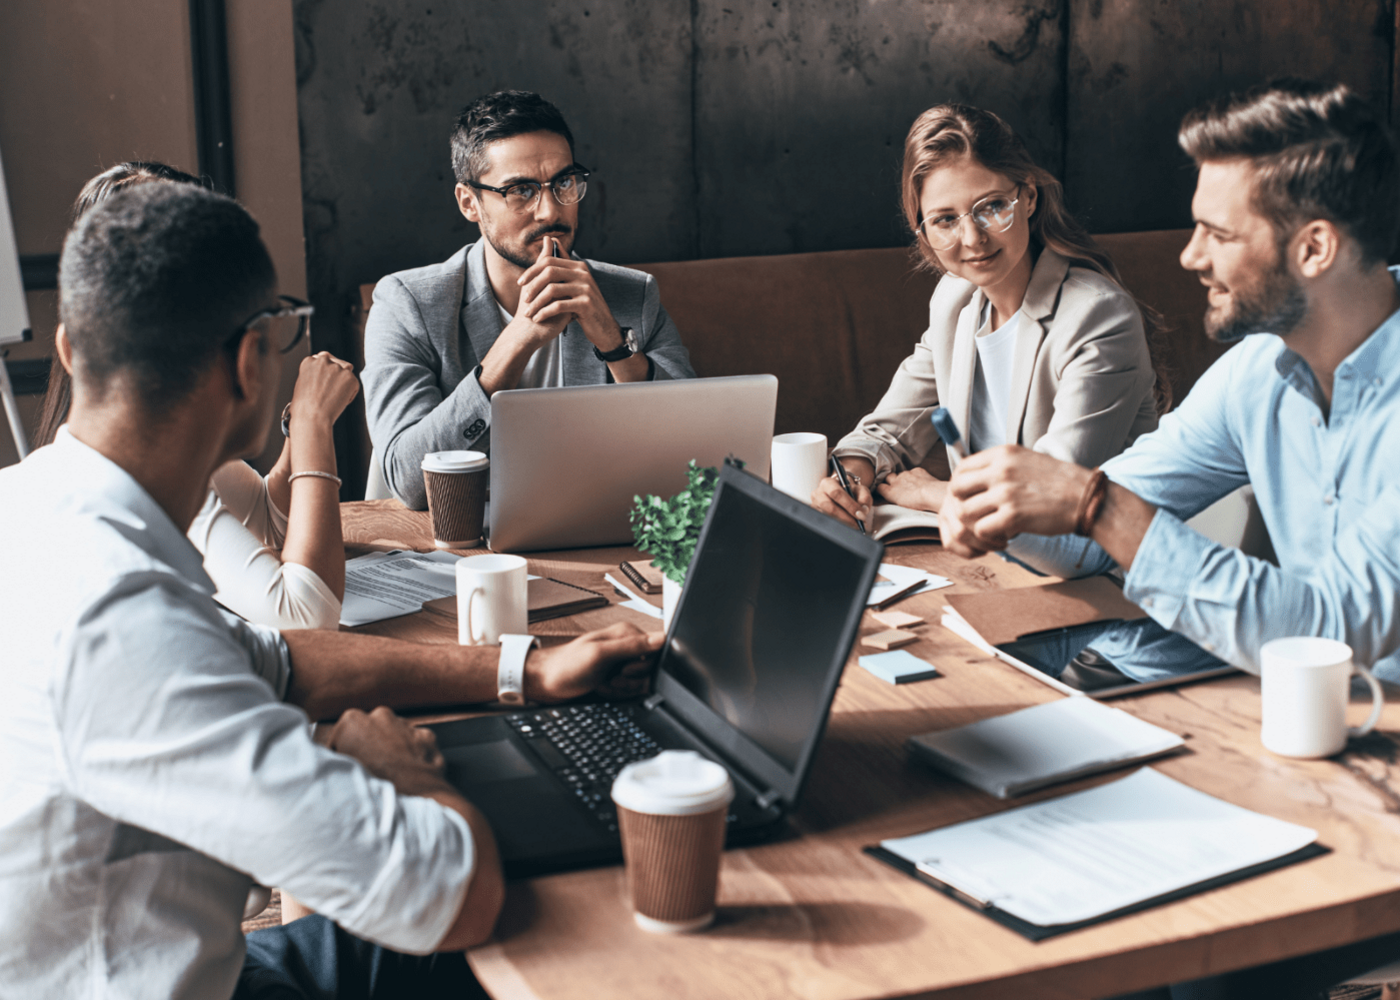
[[896, 619], [898, 666], [889, 639]]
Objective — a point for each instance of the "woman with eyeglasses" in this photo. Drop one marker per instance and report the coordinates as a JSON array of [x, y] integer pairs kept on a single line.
[[1032, 339], [273, 545]]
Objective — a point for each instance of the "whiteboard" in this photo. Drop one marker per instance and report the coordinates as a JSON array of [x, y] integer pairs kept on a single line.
[[14, 314]]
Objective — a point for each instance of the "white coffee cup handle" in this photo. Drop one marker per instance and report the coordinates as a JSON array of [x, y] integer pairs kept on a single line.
[[1377, 704], [471, 632]]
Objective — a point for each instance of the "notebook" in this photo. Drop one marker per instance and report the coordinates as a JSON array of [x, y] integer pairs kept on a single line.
[[1021, 751], [769, 612], [546, 598]]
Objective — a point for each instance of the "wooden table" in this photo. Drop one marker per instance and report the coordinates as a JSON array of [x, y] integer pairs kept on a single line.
[[813, 917]]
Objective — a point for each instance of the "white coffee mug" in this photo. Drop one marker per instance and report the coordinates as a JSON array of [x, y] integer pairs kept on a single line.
[[799, 464], [492, 599], [1305, 682]]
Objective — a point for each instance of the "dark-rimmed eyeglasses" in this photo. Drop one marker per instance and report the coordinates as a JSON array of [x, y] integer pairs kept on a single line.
[[568, 188], [993, 214], [284, 326]]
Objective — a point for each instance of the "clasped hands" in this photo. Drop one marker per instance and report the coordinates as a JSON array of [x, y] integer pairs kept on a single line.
[[554, 291]]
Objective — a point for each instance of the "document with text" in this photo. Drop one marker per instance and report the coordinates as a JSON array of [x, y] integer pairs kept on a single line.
[[388, 584], [1092, 853]]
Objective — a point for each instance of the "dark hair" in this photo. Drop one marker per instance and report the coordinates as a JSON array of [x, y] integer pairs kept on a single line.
[[58, 394], [497, 116], [153, 282], [1318, 151], [946, 131]]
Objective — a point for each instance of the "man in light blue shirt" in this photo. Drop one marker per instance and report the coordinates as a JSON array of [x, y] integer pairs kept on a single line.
[[1297, 207], [1293, 227]]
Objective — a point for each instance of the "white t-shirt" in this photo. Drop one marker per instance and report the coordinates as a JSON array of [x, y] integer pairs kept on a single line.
[[991, 386], [545, 369], [149, 770]]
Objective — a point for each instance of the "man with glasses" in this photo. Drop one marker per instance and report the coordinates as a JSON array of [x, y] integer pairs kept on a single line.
[[514, 310], [157, 757]]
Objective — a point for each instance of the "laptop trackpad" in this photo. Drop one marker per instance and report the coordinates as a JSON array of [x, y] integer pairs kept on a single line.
[[529, 812]]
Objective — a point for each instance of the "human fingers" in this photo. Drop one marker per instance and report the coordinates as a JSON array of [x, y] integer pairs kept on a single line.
[[955, 534], [831, 499], [551, 285]]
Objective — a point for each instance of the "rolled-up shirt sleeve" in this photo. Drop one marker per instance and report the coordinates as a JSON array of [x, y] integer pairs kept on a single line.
[[170, 720]]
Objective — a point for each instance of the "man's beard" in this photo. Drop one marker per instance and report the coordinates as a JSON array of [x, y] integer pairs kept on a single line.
[[1278, 306], [517, 255]]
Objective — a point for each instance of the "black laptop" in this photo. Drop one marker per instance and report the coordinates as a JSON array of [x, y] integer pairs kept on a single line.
[[769, 612]]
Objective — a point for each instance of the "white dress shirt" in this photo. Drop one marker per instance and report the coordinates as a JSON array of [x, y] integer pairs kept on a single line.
[[239, 531], [149, 769]]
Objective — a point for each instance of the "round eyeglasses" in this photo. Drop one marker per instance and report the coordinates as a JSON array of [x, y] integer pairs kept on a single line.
[[993, 214], [567, 189], [284, 326]]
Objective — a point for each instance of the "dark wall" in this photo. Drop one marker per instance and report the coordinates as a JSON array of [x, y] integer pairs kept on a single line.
[[729, 127]]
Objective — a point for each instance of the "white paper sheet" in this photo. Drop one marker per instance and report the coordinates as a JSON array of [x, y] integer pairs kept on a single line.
[[388, 584], [898, 577], [634, 601], [1083, 855]]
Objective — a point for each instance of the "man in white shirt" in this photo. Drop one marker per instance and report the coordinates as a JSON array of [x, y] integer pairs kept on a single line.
[[155, 758]]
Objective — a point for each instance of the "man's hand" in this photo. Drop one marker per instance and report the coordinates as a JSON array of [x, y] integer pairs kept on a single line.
[[1002, 492], [916, 489], [833, 501], [558, 290], [389, 747], [614, 662]]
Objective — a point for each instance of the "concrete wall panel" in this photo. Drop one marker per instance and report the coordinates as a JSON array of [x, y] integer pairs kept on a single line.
[[802, 107], [1137, 66]]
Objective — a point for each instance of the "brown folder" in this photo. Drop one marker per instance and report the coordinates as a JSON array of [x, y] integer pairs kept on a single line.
[[547, 598], [1008, 615]]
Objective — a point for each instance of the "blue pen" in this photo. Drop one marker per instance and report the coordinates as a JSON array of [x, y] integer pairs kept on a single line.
[[947, 429]]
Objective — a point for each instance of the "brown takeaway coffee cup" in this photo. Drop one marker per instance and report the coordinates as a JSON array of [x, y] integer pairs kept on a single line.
[[456, 485], [671, 810]]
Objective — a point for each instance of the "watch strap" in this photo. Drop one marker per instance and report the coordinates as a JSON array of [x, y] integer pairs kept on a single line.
[[510, 672], [621, 352]]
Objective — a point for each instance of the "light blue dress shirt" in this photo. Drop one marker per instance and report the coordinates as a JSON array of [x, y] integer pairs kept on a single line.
[[1328, 488]]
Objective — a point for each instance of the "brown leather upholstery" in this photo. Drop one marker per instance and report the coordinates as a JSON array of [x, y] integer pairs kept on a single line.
[[834, 326]]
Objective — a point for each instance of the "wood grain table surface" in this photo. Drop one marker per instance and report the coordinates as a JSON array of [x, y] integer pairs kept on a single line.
[[810, 916]]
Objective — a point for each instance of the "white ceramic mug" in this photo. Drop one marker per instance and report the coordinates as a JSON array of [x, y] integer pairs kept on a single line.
[[492, 599], [1305, 682], [799, 464]]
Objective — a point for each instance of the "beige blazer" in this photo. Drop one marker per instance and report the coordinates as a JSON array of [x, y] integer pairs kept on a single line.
[[1081, 386]]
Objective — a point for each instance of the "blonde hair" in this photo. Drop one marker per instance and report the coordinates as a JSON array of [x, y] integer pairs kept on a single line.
[[948, 131]]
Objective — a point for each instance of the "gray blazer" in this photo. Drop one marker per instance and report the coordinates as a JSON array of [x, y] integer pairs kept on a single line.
[[1081, 387], [430, 327]]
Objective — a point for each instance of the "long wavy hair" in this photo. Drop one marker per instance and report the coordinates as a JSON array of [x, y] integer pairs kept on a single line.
[[947, 131], [58, 396]]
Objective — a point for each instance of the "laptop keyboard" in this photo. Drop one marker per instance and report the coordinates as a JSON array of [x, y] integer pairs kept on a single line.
[[586, 746]]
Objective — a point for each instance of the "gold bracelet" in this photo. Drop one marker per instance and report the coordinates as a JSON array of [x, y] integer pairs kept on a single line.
[[319, 475]]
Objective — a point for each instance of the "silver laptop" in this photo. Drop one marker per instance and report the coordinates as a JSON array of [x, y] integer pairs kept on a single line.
[[566, 463]]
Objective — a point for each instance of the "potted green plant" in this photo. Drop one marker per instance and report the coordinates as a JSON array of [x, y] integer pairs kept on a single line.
[[668, 530]]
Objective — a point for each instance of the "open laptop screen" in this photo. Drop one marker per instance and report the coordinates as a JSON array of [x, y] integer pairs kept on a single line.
[[767, 614]]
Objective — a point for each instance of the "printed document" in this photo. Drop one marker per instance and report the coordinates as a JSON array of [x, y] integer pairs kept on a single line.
[[388, 584], [1099, 851]]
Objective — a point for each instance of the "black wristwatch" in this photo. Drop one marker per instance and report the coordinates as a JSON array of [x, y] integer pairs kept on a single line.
[[623, 351]]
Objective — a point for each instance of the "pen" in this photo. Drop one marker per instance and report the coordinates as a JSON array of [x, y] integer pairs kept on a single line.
[[840, 472], [947, 429]]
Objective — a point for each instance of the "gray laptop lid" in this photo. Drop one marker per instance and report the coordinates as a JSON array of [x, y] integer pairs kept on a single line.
[[566, 463]]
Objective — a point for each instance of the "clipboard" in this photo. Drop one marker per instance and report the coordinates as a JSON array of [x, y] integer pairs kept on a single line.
[[1036, 932]]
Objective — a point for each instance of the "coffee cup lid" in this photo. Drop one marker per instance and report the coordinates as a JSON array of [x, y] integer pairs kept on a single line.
[[455, 461], [673, 783]]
